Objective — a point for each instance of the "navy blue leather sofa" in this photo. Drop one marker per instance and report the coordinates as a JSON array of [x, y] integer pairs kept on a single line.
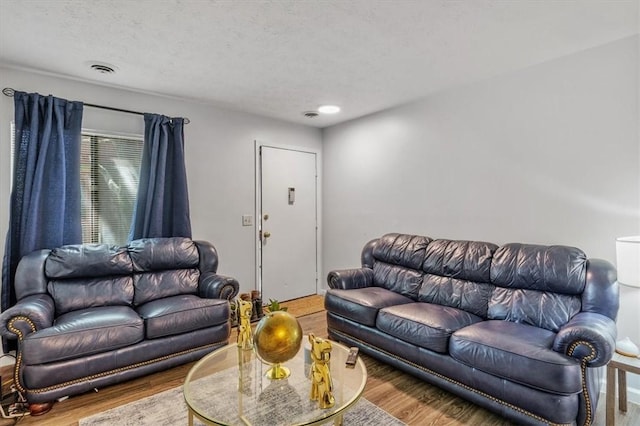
[[522, 330], [93, 315]]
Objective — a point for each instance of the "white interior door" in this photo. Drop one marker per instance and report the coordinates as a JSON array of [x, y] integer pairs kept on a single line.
[[288, 228]]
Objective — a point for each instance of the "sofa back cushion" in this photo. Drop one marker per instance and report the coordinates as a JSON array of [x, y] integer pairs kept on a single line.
[[163, 267], [464, 260], [538, 308], [457, 274], [401, 249], [85, 275], [397, 263], [157, 285], [398, 279], [81, 293], [469, 296], [537, 285], [86, 261], [559, 269], [159, 254]]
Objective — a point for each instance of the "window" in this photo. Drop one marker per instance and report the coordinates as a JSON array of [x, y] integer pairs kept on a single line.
[[109, 175]]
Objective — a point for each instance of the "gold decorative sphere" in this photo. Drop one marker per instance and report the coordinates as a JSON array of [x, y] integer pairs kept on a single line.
[[277, 337]]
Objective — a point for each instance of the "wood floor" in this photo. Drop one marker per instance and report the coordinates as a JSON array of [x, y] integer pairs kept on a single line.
[[409, 399]]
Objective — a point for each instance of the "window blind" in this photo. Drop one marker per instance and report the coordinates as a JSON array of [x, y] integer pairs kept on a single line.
[[109, 175]]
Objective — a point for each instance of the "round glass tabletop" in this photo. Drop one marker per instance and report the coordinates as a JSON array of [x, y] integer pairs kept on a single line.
[[230, 387]]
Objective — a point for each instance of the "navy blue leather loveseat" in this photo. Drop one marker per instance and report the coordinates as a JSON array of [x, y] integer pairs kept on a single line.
[[92, 315], [523, 330]]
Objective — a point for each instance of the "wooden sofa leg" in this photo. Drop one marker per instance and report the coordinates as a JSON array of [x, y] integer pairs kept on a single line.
[[40, 409]]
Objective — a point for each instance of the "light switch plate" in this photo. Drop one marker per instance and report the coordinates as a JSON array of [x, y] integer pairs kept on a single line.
[[247, 220]]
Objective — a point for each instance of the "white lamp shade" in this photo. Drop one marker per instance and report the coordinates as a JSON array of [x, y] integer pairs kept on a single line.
[[628, 260]]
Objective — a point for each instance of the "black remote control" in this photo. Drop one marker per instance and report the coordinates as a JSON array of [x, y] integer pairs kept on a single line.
[[352, 357]]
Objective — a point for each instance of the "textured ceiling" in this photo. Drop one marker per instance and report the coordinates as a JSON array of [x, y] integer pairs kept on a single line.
[[280, 58]]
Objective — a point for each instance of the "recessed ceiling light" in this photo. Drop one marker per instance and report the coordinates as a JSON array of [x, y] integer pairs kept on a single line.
[[329, 109]]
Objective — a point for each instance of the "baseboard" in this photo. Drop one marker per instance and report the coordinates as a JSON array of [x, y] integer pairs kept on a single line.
[[633, 395], [8, 359], [633, 387]]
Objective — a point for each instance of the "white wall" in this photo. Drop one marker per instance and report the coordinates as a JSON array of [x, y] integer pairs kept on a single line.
[[219, 147], [547, 155]]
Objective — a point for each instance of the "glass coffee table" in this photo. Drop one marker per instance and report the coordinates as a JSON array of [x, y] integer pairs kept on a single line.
[[229, 387]]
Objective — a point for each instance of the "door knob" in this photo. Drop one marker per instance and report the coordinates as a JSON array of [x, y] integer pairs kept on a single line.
[[267, 234]]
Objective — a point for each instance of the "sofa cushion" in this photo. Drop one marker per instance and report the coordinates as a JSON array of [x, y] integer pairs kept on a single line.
[[181, 314], [362, 304], [159, 254], [558, 269], [538, 308], [424, 324], [470, 296], [157, 285], [81, 293], [464, 260], [87, 260], [398, 279], [401, 249], [85, 332], [517, 352]]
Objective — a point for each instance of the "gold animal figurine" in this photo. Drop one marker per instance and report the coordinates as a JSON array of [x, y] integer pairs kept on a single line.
[[321, 384], [245, 340]]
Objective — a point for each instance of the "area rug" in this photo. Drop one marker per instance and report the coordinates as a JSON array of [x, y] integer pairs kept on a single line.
[[168, 409]]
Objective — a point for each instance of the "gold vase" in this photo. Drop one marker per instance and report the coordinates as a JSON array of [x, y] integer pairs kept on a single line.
[[277, 339]]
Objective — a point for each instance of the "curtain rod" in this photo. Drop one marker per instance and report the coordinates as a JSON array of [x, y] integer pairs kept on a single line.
[[8, 91]]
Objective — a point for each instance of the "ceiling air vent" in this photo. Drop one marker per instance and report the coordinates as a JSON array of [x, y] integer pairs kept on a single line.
[[310, 114], [103, 69]]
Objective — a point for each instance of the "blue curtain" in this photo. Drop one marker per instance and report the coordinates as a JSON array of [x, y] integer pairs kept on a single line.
[[45, 197], [162, 205]]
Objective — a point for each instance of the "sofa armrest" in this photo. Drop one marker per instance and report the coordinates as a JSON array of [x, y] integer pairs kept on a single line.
[[590, 337], [346, 279], [29, 315], [214, 286]]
